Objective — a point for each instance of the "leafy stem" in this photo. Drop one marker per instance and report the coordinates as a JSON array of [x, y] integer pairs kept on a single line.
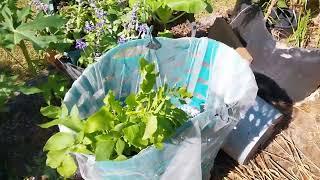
[[177, 17], [27, 57]]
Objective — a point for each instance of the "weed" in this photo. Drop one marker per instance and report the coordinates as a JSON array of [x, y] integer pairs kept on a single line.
[[300, 36]]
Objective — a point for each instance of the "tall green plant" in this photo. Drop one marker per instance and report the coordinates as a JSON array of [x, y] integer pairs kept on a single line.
[[18, 25], [163, 10]]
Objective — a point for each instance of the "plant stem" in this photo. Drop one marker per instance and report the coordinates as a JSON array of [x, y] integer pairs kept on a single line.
[[175, 18], [27, 57]]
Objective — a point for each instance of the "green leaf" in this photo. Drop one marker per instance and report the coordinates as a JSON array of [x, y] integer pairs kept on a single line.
[[74, 122], [29, 90], [119, 127], [151, 127], [79, 137], [165, 33], [7, 19], [64, 111], [74, 112], [165, 14], [111, 101], [55, 158], [51, 111], [121, 158], [142, 64], [18, 29], [23, 14], [183, 93], [103, 137], [51, 123], [99, 121], [68, 167], [282, 4], [148, 82], [131, 133], [189, 6], [120, 145], [42, 22], [154, 5], [59, 141], [159, 146], [131, 101], [86, 141], [104, 149], [80, 148]]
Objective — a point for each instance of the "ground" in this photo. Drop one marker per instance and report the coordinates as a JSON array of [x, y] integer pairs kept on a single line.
[[293, 153]]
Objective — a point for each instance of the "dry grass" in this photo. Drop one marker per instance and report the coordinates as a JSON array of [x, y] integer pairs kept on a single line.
[[223, 5], [288, 162], [14, 62]]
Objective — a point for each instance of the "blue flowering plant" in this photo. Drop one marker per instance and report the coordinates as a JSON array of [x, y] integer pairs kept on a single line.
[[97, 26]]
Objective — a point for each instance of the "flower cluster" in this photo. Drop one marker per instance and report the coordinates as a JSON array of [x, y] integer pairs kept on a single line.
[[133, 23], [122, 39], [100, 15], [142, 29], [133, 27], [80, 44], [40, 6], [89, 27]]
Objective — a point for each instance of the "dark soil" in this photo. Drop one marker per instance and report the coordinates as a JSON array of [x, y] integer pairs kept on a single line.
[[184, 29], [21, 139]]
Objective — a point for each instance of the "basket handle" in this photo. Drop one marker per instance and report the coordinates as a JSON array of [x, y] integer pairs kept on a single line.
[[193, 26], [153, 42]]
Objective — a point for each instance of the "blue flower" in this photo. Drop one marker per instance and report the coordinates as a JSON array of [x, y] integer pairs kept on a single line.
[[100, 13], [80, 44], [101, 23], [122, 40], [89, 26], [142, 29]]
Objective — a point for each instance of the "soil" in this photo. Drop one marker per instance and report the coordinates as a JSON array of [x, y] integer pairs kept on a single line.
[[202, 25], [21, 139]]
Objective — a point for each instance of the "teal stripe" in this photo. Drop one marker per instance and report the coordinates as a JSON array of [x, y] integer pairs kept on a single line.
[[196, 102], [204, 73], [202, 89]]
